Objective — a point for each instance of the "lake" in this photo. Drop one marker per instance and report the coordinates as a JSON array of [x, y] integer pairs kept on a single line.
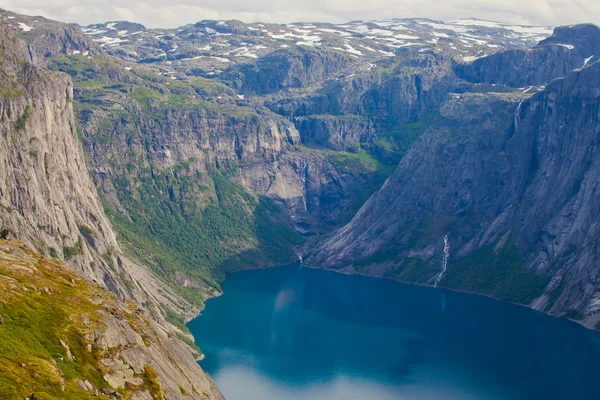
[[291, 333]]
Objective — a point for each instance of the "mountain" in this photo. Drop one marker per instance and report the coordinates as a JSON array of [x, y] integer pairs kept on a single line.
[[76, 330], [497, 196]]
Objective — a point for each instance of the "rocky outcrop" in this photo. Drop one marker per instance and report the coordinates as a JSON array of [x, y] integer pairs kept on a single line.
[[336, 132], [220, 137], [371, 99], [306, 185], [492, 170], [46, 38]]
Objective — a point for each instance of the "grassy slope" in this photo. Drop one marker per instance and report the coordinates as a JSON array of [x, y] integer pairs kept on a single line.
[[41, 304], [231, 230]]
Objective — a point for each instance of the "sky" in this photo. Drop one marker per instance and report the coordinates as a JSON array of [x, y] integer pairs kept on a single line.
[[173, 13]]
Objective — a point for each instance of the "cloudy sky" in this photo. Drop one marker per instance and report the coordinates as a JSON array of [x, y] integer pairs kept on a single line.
[[172, 13]]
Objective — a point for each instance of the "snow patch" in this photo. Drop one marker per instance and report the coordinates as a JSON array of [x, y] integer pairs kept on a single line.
[[24, 27]]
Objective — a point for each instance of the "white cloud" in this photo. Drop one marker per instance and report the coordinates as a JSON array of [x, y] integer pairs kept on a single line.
[[158, 13]]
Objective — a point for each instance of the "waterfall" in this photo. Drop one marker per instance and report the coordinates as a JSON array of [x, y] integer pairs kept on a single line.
[[518, 113], [444, 260]]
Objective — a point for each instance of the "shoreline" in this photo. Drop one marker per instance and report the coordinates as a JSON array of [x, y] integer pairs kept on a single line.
[[301, 264], [580, 323], [193, 314]]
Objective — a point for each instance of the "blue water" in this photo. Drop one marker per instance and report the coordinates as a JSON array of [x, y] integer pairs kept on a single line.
[[292, 333]]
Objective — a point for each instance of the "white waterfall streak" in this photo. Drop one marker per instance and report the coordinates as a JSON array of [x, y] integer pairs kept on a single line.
[[444, 260], [518, 113]]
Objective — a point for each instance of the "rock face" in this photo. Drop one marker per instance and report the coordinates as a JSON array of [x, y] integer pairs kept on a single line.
[[288, 68], [47, 198], [501, 175], [307, 185], [49, 202]]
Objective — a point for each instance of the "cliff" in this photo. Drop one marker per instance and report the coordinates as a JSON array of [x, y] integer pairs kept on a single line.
[[48, 202], [509, 180]]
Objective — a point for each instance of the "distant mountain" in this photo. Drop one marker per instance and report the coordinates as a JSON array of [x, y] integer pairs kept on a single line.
[[211, 46]]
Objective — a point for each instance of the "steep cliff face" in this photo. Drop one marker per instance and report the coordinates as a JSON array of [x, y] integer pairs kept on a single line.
[[48, 201], [305, 184], [510, 183]]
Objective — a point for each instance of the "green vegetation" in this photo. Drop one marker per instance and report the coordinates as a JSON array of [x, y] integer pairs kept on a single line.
[[88, 84], [53, 253], [70, 252], [20, 122], [12, 89], [152, 383], [202, 226], [499, 274], [47, 313], [209, 87], [391, 146], [355, 162], [378, 257], [143, 95], [32, 358], [363, 164]]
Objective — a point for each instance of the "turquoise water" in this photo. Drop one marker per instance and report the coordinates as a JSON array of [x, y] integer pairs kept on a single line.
[[292, 333]]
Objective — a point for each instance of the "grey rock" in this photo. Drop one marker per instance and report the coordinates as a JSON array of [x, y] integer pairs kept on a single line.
[[489, 167]]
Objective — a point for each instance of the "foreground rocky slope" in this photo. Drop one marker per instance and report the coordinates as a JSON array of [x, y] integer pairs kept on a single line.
[[63, 337], [49, 202]]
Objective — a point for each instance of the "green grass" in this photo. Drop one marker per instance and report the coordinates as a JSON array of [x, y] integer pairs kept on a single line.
[[88, 84], [362, 164], [143, 95], [43, 304], [34, 324], [391, 146], [355, 162], [70, 252]]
